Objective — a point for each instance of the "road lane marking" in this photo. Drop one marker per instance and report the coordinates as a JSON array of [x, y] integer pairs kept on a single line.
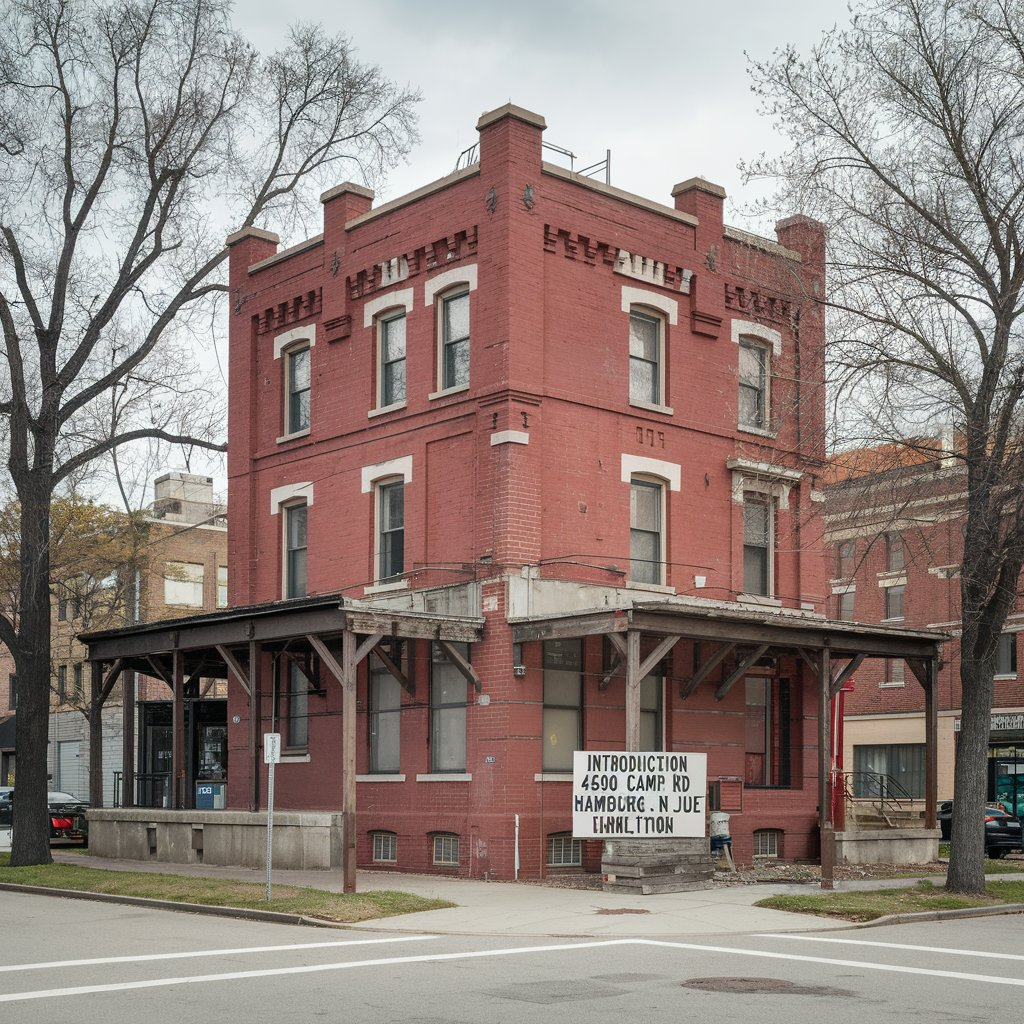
[[206, 952], [64, 993], [893, 945]]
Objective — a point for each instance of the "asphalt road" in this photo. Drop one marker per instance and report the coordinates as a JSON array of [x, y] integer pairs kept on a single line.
[[63, 960]]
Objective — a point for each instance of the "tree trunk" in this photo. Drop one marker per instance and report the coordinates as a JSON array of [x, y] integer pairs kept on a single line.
[[30, 840], [967, 842]]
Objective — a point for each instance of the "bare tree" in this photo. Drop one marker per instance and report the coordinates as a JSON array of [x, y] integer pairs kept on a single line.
[[907, 139], [133, 135]]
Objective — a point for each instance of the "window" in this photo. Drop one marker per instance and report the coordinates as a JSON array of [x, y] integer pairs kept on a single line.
[[844, 605], [892, 770], [894, 553], [62, 683], [297, 704], [12, 692], [297, 380], [767, 842], [768, 745], [563, 703], [894, 669], [183, 584], [385, 706], [645, 362], [454, 316], [222, 586], [894, 602], [391, 343], [296, 550], [391, 530], [645, 532], [1006, 655], [651, 688], [78, 681], [446, 849], [447, 711], [564, 851], [62, 610], [385, 847], [753, 386], [757, 544], [845, 554]]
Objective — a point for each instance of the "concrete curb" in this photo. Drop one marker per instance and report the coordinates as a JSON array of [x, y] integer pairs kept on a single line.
[[942, 915]]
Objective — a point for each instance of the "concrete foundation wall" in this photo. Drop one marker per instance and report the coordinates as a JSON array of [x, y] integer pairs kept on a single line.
[[306, 840], [888, 846]]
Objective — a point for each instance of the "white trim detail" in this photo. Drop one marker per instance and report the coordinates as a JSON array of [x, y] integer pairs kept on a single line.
[[748, 329], [762, 478], [457, 275], [638, 465], [392, 300], [445, 777], [844, 588], [381, 778], [282, 341], [510, 437], [385, 588], [395, 467], [641, 297], [281, 496], [893, 581]]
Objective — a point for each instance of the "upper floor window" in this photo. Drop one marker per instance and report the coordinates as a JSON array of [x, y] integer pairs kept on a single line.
[[845, 554], [295, 550], [894, 602], [844, 605], [646, 535], [1006, 655], [183, 584], [297, 388], [79, 689], [758, 533], [390, 529], [563, 703], [753, 385], [222, 586], [391, 348], [894, 553], [62, 683], [646, 362], [454, 341]]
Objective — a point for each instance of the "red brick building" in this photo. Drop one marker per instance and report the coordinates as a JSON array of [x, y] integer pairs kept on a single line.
[[894, 526], [537, 460]]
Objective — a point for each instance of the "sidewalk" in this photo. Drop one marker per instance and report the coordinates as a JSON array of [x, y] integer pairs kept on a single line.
[[529, 910]]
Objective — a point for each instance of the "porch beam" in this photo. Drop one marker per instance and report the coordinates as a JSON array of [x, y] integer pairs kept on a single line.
[[616, 640], [235, 669], [659, 652], [921, 667], [848, 669], [363, 650], [612, 669], [737, 673], [160, 671], [456, 658], [109, 680], [689, 686], [396, 672], [811, 660], [429, 627]]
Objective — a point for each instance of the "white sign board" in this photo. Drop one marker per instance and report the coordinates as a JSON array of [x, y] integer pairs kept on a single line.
[[271, 747], [619, 795]]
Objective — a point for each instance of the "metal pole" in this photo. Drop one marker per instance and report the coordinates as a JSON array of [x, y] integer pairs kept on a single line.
[[270, 824]]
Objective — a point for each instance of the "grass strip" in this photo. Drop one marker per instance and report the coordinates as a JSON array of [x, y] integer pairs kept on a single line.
[[341, 908], [869, 904]]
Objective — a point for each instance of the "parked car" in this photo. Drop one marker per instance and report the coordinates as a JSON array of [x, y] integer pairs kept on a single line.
[[68, 823], [1003, 833]]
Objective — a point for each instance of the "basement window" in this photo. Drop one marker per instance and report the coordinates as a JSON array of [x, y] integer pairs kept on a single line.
[[385, 847], [768, 842], [564, 851], [446, 849]]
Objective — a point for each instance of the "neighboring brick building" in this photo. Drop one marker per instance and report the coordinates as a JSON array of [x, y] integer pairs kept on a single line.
[[894, 527], [529, 465], [177, 566]]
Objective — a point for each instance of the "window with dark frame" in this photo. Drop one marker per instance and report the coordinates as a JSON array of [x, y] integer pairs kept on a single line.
[[455, 340], [385, 847], [645, 352], [385, 707], [894, 602], [889, 770], [391, 529], [563, 703], [753, 385], [895, 556], [446, 849], [448, 702], [296, 550], [845, 559], [297, 374], [391, 338], [652, 688], [1006, 655], [646, 536], [297, 704], [77, 676], [757, 544], [62, 683], [768, 732]]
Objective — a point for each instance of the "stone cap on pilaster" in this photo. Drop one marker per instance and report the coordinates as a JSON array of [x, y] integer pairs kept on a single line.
[[257, 233], [349, 187], [489, 117], [700, 185]]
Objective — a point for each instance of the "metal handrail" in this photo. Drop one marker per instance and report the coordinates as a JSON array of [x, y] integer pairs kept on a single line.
[[890, 795]]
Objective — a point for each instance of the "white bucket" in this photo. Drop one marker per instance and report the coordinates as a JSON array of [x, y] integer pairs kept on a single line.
[[719, 823]]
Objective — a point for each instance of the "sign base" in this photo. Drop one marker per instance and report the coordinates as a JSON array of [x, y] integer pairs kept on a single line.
[[646, 867]]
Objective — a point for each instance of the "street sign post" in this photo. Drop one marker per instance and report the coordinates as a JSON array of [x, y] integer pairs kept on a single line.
[[271, 755]]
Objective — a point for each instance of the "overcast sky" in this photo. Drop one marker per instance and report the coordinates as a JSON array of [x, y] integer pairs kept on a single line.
[[663, 85]]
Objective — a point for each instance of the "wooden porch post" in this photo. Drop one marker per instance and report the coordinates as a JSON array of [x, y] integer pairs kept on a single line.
[[931, 743], [633, 690], [96, 735], [348, 724], [255, 706], [178, 730], [825, 769], [128, 680]]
